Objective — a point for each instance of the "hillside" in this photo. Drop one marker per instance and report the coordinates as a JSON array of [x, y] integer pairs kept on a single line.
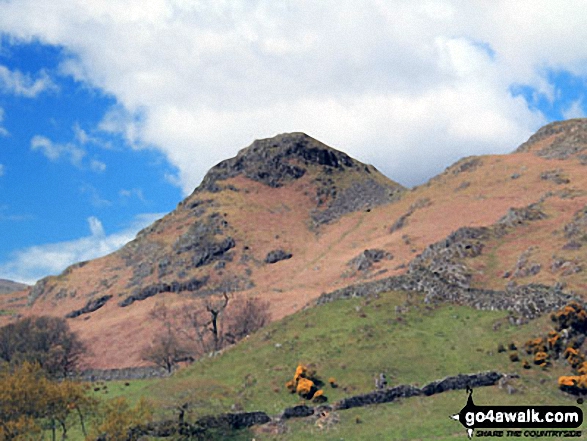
[[8, 286], [289, 219], [354, 341]]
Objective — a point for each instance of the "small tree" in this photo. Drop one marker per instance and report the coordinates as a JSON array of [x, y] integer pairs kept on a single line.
[[246, 316], [166, 351], [190, 332], [117, 417], [44, 340], [215, 308], [28, 398]]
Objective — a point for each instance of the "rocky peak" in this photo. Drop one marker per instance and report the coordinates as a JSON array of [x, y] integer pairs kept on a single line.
[[278, 160], [568, 139]]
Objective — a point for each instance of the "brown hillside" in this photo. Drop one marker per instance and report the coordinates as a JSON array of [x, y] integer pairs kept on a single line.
[[341, 221], [8, 286]]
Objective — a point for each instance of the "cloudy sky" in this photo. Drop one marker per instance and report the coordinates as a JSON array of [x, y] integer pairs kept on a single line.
[[111, 111]]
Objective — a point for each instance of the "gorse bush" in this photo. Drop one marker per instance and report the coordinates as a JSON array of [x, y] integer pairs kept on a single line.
[[573, 317], [305, 383]]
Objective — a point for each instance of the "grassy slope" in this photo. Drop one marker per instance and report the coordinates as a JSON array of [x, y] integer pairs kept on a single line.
[[353, 341]]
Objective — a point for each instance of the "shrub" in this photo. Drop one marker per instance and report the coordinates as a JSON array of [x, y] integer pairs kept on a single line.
[[305, 388], [540, 358], [301, 371], [305, 383], [319, 397], [291, 386], [535, 345], [514, 357], [572, 316], [45, 341], [574, 384]]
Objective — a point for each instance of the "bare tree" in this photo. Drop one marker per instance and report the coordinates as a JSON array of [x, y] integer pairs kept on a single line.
[[246, 316], [166, 351], [190, 332], [47, 341], [215, 308]]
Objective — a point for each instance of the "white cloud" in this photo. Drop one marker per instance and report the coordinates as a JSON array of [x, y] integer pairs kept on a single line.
[[70, 152], [575, 110], [17, 83], [97, 166], [409, 86], [95, 198], [83, 138], [3, 131], [126, 194], [96, 227], [30, 264], [54, 151]]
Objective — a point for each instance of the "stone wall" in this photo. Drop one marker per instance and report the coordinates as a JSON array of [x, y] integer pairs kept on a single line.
[[133, 373], [236, 421]]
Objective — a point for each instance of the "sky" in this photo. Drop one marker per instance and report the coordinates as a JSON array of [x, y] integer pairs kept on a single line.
[[112, 111]]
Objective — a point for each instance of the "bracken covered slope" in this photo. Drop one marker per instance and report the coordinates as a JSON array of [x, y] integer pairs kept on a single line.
[[289, 218]]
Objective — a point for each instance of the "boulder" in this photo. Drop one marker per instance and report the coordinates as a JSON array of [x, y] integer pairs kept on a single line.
[[277, 256]]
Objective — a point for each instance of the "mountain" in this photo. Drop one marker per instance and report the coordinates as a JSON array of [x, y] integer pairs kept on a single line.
[[8, 286], [290, 218]]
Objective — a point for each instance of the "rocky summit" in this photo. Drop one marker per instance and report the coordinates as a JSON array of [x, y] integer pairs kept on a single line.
[[342, 184], [292, 220], [559, 140]]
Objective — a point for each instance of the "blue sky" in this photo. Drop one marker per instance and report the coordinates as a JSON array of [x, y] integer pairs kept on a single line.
[[112, 111]]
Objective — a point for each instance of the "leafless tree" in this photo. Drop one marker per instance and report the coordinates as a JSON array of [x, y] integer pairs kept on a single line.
[[215, 309], [246, 316], [203, 327], [166, 351]]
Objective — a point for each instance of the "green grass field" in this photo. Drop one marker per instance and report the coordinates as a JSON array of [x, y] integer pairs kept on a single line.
[[353, 341]]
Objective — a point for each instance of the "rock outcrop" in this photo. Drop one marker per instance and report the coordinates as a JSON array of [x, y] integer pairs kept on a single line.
[[288, 157], [569, 140], [440, 273], [91, 306], [277, 256]]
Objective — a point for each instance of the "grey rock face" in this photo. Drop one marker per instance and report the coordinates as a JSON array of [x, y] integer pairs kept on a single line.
[[570, 139], [277, 256], [361, 195], [576, 230], [439, 273], [152, 290], [91, 306], [365, 260], [466, 165], [520, 216], [275, 161], [288, 157], [555, 176]]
